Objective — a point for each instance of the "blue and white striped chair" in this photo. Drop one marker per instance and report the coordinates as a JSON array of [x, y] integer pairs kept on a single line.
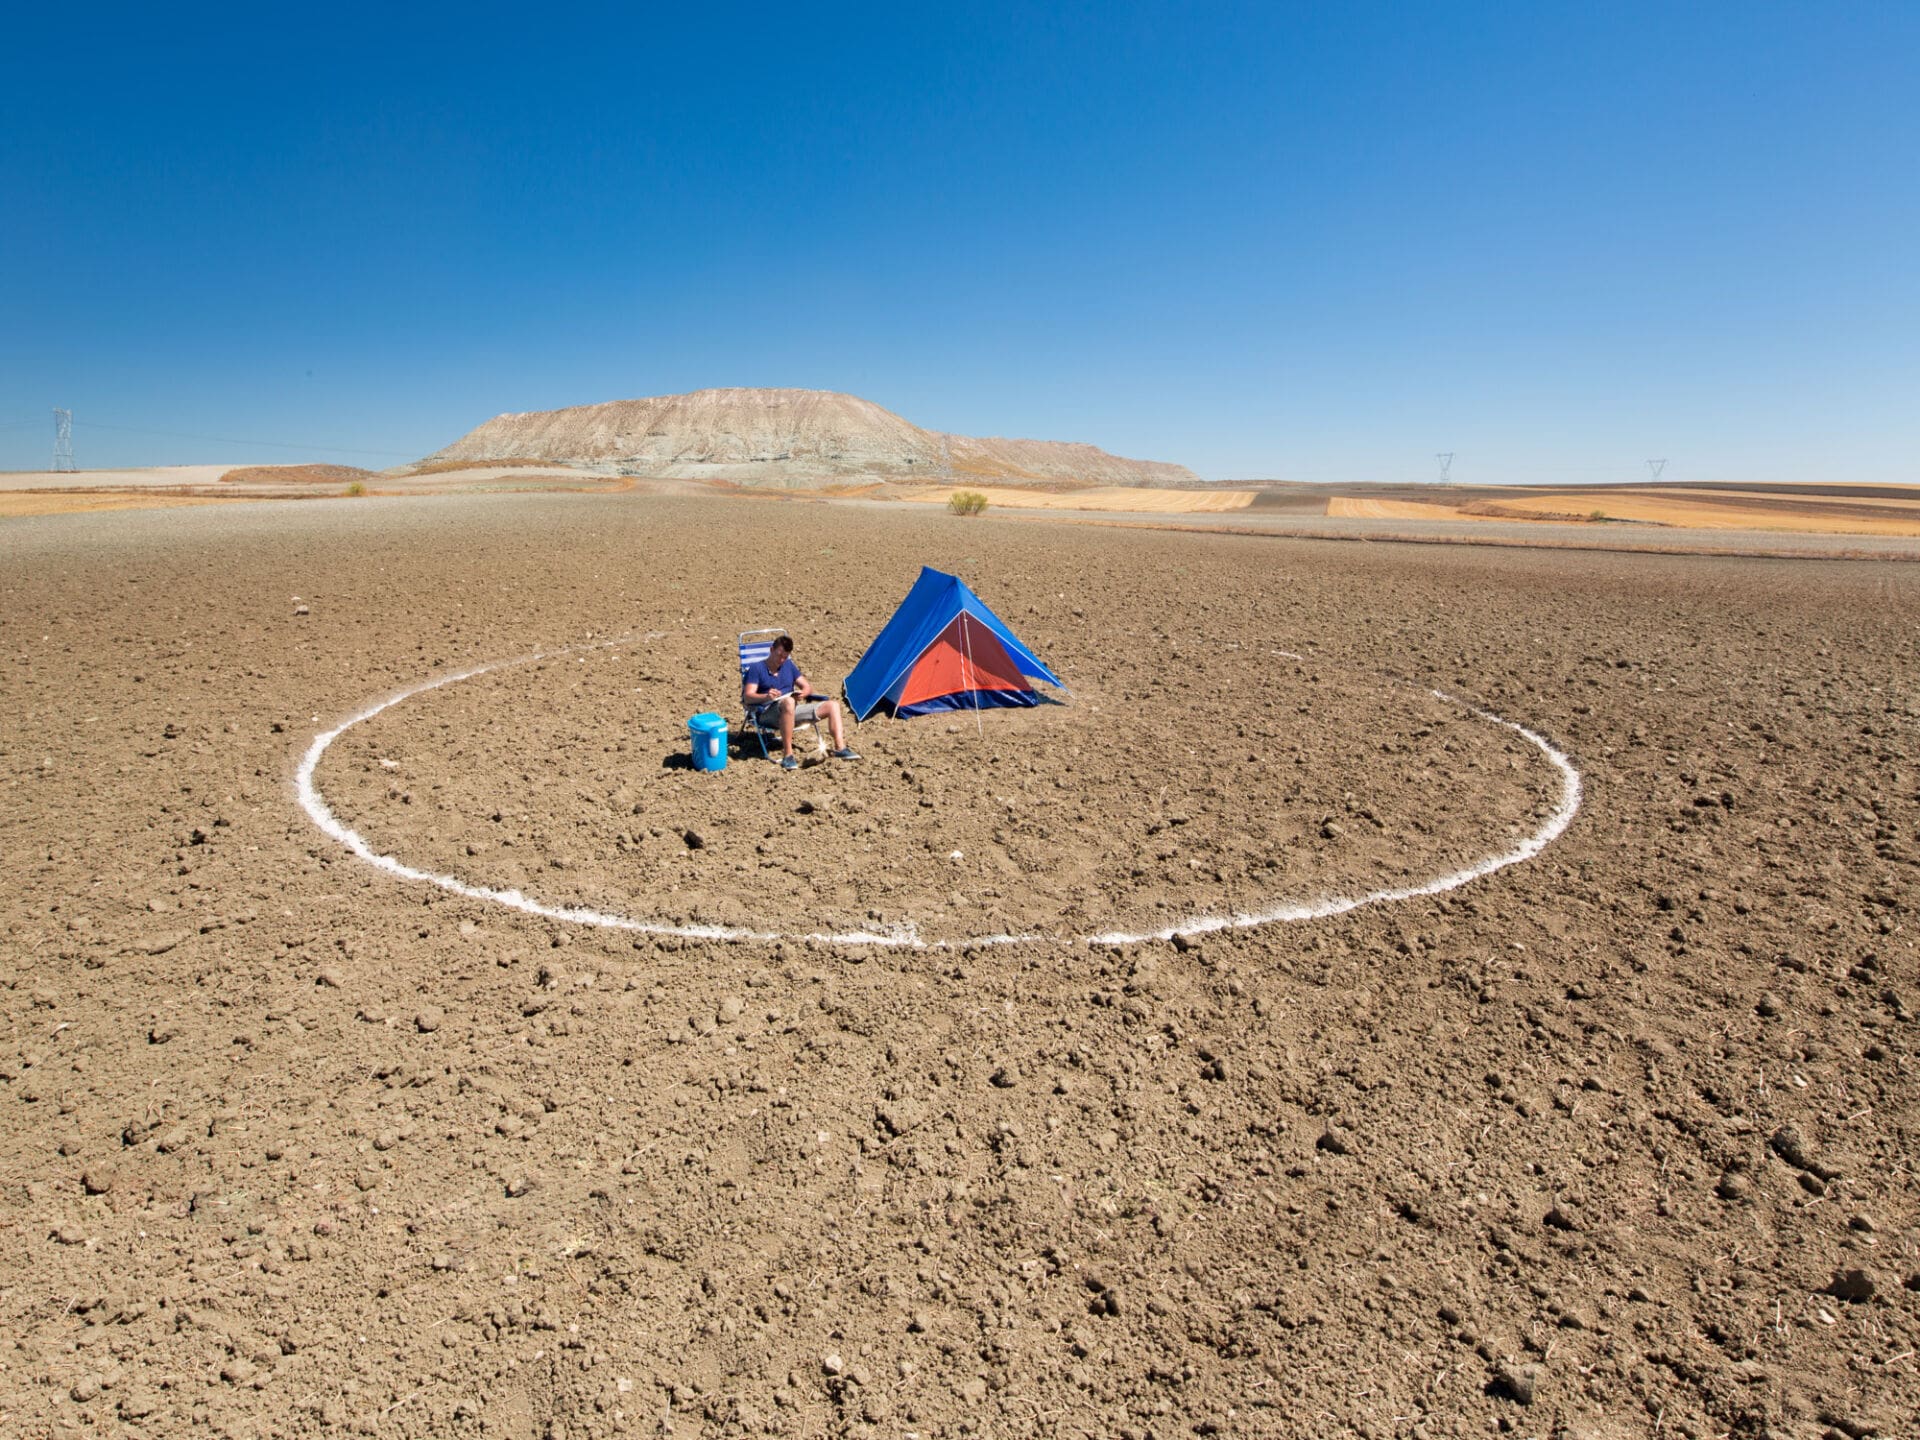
[[754, 645]]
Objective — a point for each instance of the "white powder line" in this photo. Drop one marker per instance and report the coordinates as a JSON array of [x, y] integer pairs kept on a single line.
[[1555, 826], [903, 935], [315, 804]]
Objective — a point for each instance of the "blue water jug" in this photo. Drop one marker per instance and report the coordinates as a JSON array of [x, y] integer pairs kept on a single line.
[[709, 733]]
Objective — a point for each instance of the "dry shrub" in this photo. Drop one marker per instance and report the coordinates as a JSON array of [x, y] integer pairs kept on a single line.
[[966, 502]]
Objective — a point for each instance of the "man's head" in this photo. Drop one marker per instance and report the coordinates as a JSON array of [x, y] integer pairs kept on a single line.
[[778, 652]]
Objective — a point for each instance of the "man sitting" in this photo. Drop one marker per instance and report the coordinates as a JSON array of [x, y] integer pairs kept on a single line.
[[776, 692]]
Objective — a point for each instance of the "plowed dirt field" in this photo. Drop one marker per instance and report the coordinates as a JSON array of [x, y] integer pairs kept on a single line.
[[1617, 1139]]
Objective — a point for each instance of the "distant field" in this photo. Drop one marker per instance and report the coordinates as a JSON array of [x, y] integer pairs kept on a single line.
[[1812, 509], [1724, 510], [1363, 508], [296, 475], [449, 467], [1628, 514], [16, 503], [1100, 497]]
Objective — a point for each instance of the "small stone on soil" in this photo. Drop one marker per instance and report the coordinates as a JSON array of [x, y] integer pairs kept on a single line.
[[1519, 1382], [1561, 1217], [1791, 1146], [1855, 1285]]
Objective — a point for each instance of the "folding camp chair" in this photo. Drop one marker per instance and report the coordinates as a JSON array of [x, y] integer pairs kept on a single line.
[[754, 645]]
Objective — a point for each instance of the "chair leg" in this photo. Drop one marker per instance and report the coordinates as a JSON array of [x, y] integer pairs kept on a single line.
[[761, 734]]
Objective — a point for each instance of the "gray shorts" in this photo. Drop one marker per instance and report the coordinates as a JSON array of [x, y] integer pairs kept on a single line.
[[767, 716]]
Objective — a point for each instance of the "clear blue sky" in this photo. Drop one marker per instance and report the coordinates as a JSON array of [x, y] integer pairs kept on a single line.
[[1311, 241]]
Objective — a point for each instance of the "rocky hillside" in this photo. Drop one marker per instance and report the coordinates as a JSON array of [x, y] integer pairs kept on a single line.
[[785, 438], [1049, 460]]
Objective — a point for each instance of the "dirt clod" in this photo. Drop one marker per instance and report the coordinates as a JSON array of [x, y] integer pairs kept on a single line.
[[1788, 1143], [1854, 1284], [1519, 1382]]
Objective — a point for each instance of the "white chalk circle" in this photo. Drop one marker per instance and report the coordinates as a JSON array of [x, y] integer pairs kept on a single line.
[[315, 804]]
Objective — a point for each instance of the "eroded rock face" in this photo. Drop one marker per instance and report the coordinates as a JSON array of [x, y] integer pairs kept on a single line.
[[785, 438]]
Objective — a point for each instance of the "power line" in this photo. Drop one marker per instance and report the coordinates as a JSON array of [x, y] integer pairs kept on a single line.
[[230, 440], [63, 440]]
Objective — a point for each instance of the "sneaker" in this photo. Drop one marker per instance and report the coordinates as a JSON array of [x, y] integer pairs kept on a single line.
[[845, 752], [788, 762]]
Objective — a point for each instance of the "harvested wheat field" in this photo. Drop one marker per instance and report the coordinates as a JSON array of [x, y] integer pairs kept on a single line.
[[1368, 508], [1893, 512], [1567, 1089], [16, 503], [1798, 509]]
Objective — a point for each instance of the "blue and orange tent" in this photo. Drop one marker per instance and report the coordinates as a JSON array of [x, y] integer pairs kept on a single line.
[[944, 650]]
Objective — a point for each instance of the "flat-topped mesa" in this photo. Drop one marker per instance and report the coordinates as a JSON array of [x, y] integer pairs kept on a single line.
[[792, 438]]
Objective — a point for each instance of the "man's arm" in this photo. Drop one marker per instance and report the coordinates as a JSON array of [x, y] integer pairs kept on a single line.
[[752, 693]]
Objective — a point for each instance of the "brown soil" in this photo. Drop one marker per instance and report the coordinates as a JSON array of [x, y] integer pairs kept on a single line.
[[1040, 830], [1616, 1141], [1137, 499]]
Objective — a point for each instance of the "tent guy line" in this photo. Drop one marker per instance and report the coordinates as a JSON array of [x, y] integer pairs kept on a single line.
[[307, 792]]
